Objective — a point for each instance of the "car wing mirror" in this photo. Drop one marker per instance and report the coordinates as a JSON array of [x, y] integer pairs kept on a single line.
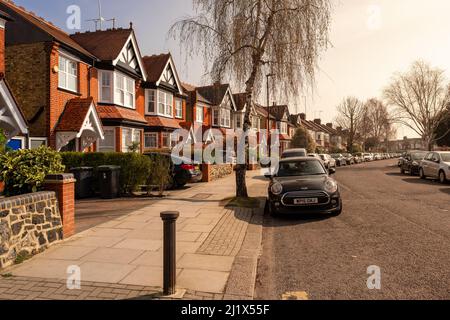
[[331, 171]]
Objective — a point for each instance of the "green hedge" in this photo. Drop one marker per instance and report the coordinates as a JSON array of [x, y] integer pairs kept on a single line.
[[24, 171], [136, 169]]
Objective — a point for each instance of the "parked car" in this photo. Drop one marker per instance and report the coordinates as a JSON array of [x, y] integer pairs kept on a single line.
[[340, 159], [367, 157], [303, 186], [182, 170], [293, 153], [411, 162], [359, 157], [314, 155], [328, 161], [349, 158], [401, 159], [436, 165]]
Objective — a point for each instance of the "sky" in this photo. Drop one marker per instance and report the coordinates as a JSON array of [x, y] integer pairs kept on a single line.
[[370, 41]]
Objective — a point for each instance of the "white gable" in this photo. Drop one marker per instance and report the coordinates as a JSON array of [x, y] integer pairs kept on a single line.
[[131, 56], [11, 119], [170, 76], [228, 100]]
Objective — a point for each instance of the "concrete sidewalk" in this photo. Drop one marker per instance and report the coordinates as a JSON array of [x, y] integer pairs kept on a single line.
[[127, 251]]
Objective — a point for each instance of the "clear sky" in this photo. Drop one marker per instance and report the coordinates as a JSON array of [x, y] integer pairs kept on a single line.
[[371, 39]]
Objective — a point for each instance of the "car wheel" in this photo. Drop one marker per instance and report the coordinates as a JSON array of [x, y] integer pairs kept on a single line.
[[442, 177], [402, 171], [422, 174], [411, 173]]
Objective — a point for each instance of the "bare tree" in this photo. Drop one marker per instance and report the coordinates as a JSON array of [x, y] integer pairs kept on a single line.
[[380, 120], [420, 98], [350, 112], [245, 38], [364, 126]]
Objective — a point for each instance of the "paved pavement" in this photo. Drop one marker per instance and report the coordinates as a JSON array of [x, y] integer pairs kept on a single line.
[[122, 258], [399, 223]]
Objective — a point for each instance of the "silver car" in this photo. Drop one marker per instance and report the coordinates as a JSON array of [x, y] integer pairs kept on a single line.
[[436, 165]]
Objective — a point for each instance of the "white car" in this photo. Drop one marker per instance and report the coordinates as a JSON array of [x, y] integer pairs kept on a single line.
[[436, 165], [367, 157]]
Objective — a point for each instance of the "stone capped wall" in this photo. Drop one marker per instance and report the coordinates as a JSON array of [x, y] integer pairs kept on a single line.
[[28, 225], [219, 171]]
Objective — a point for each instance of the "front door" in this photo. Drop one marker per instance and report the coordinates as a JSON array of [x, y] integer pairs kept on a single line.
[[16, 144]]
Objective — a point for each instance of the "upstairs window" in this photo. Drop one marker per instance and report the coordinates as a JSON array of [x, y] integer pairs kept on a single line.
[[105, 86], [165, 103], [178, 109], [151, 101], [238, 121], [124, 93], [225, 118], [68, 74], [199, 116], [282, 127], [216, 116]]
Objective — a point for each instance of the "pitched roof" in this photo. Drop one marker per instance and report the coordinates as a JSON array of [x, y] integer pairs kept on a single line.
[[241, 100], [118, 113], [279, 111], [74, 115], [214, 93], [47, 27], [192, 90], [155, 65], [161, 122], [5, 16], [104, 44]]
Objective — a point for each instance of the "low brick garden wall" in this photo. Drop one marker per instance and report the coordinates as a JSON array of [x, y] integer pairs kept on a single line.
[[28, 225], [213, 172]]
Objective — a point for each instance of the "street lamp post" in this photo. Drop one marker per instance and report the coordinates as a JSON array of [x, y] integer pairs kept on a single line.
[[268, 101]]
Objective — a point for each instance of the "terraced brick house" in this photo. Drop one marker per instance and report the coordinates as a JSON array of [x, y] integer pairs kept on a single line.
[[49, 73], [117, 77], [12, 120], [281, 122], [165, 103]]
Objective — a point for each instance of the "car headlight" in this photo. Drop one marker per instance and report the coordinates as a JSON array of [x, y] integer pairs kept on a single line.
[[330, 186], [276, 188]]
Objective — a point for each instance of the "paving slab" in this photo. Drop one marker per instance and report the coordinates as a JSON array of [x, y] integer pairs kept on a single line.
[[66, 253], [139, 244], [202, 280], [113, 255], [108, 232], [145, 276], [90, 241], [104, 272], [206, 262], [45, 268], [152, 259]]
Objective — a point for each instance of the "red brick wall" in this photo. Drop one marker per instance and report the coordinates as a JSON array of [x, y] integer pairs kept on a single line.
[[65, 193], [118, 139], [2, 50], [58, 98]]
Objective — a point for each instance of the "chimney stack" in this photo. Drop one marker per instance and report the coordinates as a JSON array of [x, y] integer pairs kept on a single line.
[[339, 129], [303, 116], [4, 18], [318, 121], [330, 125]]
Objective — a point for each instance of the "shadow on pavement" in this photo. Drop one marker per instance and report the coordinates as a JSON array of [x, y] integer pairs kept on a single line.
[[447, 191], [419, 181]]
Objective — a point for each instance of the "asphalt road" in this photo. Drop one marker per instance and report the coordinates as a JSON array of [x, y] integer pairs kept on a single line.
[[399, 223]]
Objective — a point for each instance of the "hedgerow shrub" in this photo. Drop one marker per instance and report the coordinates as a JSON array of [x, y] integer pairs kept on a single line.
[[24, 171], [135, 169]]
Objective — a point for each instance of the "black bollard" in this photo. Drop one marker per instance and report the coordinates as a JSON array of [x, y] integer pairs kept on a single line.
[[169, 246]]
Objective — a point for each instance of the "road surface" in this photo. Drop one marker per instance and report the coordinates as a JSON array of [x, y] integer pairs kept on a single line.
[[400, 224]]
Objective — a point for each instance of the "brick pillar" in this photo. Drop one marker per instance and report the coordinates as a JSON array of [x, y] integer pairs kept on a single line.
[[206, 172], [64, 187]]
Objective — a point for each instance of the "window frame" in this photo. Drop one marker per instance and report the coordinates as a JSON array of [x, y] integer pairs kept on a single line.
[[198, 108], [133, 130], [178, 108], [44, 139], [65, 72], [99, 147], [148, 93], [162, 100], [102, 73], [168, 134], [155, 135]]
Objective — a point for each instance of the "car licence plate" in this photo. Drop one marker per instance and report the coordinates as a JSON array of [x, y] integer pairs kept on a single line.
[[304, 201]]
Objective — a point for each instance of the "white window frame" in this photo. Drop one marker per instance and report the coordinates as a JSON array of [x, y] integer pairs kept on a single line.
[[239, 121], [216, 122], [102, 73], [155, 135], [162, 100], [37, 139], [64, 72], [169, 137], [225, 118], [123, 90], [178, 108], [282, 127], [148, 93], [133, 131], [99, 147], [199, 116]]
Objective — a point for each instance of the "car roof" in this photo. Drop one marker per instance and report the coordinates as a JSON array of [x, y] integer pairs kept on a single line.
[[299, 159], [294, 150]]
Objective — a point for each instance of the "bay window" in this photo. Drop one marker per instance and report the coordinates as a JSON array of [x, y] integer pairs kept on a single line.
[[109, 143], [166, 143], [225, 118], [68, 74], [282, 127], [165, 103], [105, 86], [129, 138], [151, 140], [116, 88]]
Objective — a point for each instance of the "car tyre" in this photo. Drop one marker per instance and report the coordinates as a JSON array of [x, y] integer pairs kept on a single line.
[[442, 177], [422, 174]]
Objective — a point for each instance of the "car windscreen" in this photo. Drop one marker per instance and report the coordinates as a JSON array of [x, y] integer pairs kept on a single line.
[[418, 155], [445, 157], [296, 154], [300, 168]]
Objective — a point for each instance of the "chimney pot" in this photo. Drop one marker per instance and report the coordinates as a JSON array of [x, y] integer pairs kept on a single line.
[[318, 121], [330, 125], [302, 116]]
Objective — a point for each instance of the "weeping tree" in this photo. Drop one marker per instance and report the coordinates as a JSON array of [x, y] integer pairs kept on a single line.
[[242, 40]]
